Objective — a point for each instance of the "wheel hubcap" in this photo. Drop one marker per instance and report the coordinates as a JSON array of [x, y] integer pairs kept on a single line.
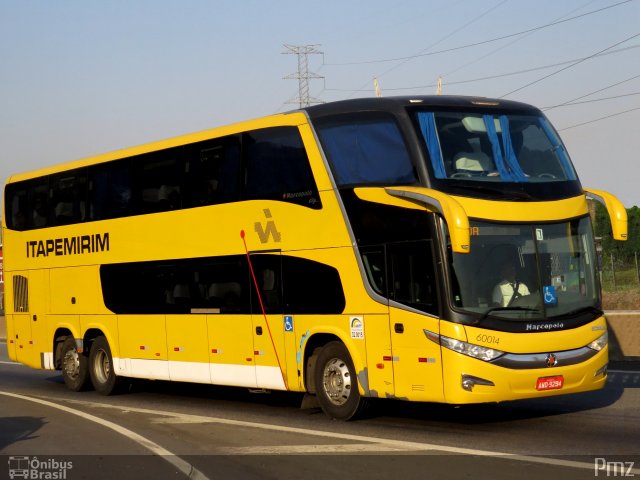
[[336, 380], [102, 366], [71, 364]]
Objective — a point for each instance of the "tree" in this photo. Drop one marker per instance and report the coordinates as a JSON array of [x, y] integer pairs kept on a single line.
[[623, 252]]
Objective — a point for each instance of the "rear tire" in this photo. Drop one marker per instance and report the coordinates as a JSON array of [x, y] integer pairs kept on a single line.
[[103, 378], [74, 366], [337, 383]]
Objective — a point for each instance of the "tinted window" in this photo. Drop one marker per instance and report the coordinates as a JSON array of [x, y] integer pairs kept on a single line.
[[264, 164], [494, 147], [222, 285], [366, 151], [212, 171], [110, 190], [27, 204], [68, 198], [296, 285], [157, 180], [16, 208], [268, 272], [411, 275], [311, 287], [403, 272], [277, 167], [179, 286]]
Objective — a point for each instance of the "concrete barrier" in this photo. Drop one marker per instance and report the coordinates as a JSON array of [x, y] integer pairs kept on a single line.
[[624, 334]]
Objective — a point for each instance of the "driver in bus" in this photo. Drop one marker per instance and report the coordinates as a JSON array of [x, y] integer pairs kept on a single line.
[[509, 289]]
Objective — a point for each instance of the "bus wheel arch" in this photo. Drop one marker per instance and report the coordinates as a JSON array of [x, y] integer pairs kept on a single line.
[[312, 349], [331, 370]]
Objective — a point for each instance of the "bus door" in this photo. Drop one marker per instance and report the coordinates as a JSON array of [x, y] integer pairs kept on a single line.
[[413, 308], [268, 322], [377, 334]]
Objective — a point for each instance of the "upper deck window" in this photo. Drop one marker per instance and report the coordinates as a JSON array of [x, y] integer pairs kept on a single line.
[[494, 147], [366, 150]]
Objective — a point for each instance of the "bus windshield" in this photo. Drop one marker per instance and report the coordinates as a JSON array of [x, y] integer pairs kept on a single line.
[[526, 271], [493, 147]]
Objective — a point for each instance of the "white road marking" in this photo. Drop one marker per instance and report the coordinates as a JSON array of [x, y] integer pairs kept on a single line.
[[381, 444], [185, 467], [308, 449]]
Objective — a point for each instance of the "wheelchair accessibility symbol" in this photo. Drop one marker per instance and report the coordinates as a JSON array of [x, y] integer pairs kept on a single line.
[[550, 295], [288, 323]]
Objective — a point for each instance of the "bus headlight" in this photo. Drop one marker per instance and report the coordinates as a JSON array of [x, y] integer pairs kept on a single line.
[[600, 342], [469, 349]]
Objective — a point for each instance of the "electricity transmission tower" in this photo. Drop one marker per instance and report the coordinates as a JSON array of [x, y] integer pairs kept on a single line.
[[303, 75]]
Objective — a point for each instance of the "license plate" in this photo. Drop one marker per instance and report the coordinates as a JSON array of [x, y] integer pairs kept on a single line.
[[550, 383]]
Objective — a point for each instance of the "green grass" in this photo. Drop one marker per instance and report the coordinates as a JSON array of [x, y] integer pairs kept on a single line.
[[624, 280]]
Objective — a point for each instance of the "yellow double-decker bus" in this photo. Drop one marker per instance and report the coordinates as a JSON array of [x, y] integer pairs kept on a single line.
[[432, 249]]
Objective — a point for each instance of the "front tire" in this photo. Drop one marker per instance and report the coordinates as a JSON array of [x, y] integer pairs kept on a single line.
[[103, 378], [337, 383], [74, 365]]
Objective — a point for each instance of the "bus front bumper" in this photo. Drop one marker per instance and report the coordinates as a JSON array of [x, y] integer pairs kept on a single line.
[[470, 380]]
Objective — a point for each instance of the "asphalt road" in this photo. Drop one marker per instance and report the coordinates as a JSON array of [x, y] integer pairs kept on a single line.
[[173, 430]]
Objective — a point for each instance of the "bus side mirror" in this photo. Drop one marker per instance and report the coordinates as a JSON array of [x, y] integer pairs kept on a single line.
[[453, 213], [615, 209]]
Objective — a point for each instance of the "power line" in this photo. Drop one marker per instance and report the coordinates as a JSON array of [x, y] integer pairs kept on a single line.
[[573, 101], [502, 47], [598, 119], [449, 35], [475, 19], [500, 75], [571, 104], [569, 66], [484, 42]]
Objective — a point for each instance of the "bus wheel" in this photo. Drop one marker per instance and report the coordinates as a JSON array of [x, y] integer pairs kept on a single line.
[[103, 378], [74, 366], [337, 383]]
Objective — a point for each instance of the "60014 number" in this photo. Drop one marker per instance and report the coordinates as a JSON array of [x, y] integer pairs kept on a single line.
[[488, 339]]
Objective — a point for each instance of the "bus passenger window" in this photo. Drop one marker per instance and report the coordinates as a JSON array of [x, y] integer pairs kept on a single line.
[[110, 194], [68, 197], [277, 167], [157, 181], [366, 152], [212, 172]]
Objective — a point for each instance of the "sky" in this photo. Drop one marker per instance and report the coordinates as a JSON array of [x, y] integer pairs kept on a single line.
[[83, 77]]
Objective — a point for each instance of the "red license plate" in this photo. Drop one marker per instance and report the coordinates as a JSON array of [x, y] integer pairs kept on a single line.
[[550, 383]]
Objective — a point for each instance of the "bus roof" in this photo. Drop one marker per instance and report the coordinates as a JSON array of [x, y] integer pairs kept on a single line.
[[391, 104], [396, 103], [289, 118]]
